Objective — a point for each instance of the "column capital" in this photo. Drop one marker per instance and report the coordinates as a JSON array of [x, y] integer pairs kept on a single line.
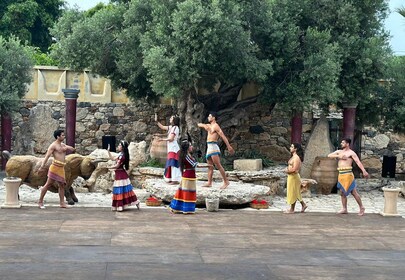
[[349, 105], [71, 93]]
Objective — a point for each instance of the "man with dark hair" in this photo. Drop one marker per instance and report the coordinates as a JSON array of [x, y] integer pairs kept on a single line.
[[213, 151], [56, 173], [346, 182]]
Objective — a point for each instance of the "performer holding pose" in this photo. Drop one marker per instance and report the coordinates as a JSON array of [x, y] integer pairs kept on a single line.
[[172, 173], [123, 194], [346, 182], [186, 195]]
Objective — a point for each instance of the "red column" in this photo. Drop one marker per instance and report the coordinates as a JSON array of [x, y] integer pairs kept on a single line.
[[6, 128], [296, 128], [349, 120], [71, 96]]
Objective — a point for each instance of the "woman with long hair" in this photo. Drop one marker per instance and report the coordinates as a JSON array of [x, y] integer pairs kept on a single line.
[[172, 173], [123, 193], [185, 198], [294, 178]]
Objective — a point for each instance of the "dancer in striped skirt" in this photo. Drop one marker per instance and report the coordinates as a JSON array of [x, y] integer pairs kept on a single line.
[[123, 194], [172, 174], [185, 198]]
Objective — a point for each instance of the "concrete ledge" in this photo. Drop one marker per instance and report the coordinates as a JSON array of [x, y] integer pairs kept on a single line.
[[248, 164]]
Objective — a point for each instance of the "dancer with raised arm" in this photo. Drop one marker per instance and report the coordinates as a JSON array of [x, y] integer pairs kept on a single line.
[[213, 152], [123, 194], [172, 174], [56, 172], [346, 182]]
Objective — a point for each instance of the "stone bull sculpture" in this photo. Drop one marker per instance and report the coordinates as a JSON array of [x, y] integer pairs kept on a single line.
[[27, 168]]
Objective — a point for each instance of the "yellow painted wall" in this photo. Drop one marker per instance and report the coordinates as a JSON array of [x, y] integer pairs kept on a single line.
[[48, 82]]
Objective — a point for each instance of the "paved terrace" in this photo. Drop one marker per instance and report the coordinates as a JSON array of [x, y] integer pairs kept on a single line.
[[95, 243], [91, 242]]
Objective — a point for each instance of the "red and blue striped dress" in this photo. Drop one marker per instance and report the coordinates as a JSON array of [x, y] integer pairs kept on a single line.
[[123, 194], [186, 195], [172, 171]]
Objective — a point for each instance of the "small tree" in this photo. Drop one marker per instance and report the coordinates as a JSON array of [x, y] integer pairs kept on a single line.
[[15, 74], [391, 97]]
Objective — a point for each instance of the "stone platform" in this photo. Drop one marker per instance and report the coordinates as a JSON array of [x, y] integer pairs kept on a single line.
[[236, 193]]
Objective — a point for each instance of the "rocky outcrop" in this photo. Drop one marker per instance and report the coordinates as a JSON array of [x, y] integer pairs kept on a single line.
[[236, 193], [274, 177]]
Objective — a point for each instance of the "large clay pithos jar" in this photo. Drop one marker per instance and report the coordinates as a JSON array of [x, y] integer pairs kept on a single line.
[[324, 171], [158, 150]]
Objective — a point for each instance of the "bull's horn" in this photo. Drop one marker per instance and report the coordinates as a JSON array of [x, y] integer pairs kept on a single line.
[[6, 154], [98, 160]]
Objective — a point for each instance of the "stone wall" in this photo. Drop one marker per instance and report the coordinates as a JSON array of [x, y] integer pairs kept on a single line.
[[34, 124], [254, 131], [376, 145]]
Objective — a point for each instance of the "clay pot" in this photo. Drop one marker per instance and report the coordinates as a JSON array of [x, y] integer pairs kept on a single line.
[[324, 171], [158, 150]]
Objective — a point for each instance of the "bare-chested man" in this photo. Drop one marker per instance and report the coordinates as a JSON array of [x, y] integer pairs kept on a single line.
[[346, 182], [213, 152], [56, 173]]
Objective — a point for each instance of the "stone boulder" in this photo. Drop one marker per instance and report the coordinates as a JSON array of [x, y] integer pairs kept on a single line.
[[137, 153], [274, 177], [236, 194]]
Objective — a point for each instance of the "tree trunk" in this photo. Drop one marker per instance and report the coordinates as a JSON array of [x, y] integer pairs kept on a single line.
[[194, 109], [191, 112]]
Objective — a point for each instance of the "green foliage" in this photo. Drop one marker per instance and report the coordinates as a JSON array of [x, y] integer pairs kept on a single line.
[[391, 95], [335, 50], [92, 42], [40, 58], [152, 162], [167, 46], [29, 20], [15, 72], [251, 154], [198, 39], [298, 52], [401, 11]]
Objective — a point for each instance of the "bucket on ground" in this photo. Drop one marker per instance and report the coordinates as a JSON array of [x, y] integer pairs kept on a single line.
[[212, 204]]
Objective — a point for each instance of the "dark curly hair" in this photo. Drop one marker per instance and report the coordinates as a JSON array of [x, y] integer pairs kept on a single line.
[[184, 145], [300, 151], [125, 150]]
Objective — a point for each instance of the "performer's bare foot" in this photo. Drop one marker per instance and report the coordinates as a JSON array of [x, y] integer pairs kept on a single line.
[[41, 205], [206, 186], [224, 186], [63, 205], [289, 212], [343, 211], [304, 208], [138, 205], [362, 210]]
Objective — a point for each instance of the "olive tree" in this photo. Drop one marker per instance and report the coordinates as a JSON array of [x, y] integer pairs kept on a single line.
[[15, 73]]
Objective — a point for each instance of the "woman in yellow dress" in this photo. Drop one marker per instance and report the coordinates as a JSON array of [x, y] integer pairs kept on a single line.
[[294, 178]]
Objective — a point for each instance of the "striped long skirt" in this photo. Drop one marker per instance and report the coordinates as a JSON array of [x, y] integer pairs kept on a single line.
[[123, 195], [185, 198], [172, 171]]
